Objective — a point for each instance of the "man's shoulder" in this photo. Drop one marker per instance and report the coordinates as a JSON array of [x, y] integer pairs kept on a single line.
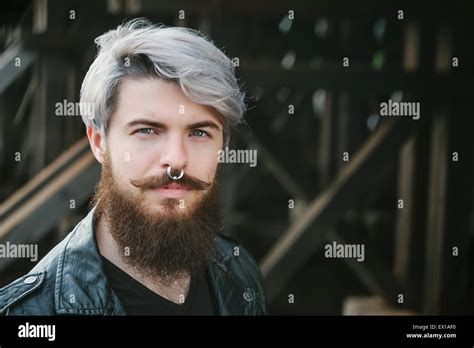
[[239, 259], [33, 293], [231, 247], [226, 241], [243, 271], [26, 295]]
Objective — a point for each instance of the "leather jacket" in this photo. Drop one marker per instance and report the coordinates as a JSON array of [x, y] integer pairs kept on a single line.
[[69, 280]]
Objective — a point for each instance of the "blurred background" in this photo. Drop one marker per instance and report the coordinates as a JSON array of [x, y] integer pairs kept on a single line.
[[330, 168]]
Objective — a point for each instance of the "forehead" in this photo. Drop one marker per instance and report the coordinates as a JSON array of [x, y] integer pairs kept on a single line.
[[159, 100]]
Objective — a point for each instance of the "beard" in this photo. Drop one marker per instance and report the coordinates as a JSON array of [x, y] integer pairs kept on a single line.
[[168, 244]]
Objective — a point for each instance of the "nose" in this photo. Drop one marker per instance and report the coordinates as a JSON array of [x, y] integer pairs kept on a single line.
[[173, 153]]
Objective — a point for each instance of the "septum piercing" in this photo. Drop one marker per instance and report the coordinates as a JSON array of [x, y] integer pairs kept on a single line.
[[171, 176]]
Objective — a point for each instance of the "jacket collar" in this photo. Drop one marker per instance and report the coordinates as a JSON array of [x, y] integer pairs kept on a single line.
[[81, 286]]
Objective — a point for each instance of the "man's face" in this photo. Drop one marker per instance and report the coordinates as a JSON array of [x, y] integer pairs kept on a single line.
[[168, 226], [154, 126]]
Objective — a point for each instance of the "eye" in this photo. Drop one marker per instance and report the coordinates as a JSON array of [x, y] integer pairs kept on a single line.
[[200, 133], [145, 131]]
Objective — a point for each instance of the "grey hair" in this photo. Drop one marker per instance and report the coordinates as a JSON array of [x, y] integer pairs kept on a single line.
[[138, 49]]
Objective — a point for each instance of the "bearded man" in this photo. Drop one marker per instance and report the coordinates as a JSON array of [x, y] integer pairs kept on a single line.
[[164, 101]]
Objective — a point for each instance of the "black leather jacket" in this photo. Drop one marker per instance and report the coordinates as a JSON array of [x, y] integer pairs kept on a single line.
[[69, 280]]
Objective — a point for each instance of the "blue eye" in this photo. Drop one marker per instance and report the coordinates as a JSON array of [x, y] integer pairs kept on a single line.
[[145, 131], [200, 133]]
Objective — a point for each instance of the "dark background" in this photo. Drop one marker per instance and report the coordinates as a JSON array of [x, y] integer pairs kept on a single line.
[[282, 62]]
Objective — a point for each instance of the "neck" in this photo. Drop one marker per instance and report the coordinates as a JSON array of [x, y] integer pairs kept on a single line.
[[175, 291]]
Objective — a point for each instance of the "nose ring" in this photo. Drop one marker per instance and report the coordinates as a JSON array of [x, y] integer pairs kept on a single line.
[[173, 177]]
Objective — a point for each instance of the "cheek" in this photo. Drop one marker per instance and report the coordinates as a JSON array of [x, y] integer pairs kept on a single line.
[[127, 161], [127, 165], [204, 165]]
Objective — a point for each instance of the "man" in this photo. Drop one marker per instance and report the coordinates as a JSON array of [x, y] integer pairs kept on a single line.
[[164, 101]]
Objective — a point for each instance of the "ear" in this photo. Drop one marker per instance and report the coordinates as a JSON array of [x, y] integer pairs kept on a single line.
[[97, 143]]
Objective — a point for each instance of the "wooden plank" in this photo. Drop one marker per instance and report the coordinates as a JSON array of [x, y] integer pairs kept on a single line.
[[42, 212], [36, 137], [411, 46], [436, 214], [370, 305], [266, 74], [307, 234], [44, 175], [410, 229], [450, 206], [39, 199], [327, 156], [9, 72]]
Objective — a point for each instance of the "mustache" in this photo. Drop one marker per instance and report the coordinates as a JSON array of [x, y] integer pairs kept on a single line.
[[154, 182]]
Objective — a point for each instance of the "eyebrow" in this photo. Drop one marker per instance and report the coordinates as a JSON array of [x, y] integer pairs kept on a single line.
[[145, 122], [203, 124], [155, 124]]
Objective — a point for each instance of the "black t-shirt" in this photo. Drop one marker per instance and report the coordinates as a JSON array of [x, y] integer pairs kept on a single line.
[[139, 300]]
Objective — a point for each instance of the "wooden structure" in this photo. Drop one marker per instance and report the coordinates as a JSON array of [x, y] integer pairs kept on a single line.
[[330, 168]]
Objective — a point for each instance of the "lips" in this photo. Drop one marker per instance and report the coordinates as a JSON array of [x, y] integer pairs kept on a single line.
[[173, 186], [172, 191]]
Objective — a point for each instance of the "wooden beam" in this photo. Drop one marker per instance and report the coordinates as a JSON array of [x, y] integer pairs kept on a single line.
[[9, 69], [30, 222], [42, 178], [450, 206], [307, 234], [410, 229], [20, 215], [327, 156], [267, 74]]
